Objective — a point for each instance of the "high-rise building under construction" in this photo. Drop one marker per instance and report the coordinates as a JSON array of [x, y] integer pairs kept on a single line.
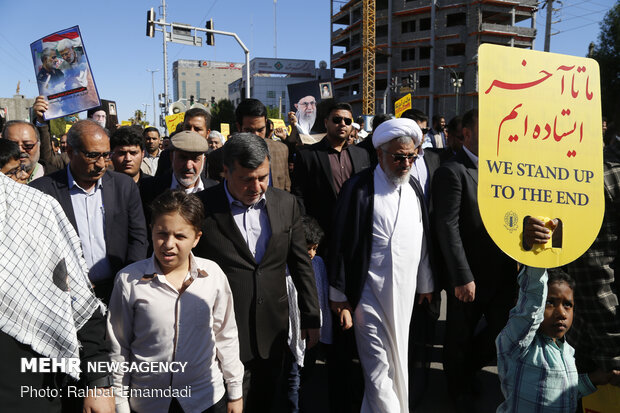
[[428, 47]]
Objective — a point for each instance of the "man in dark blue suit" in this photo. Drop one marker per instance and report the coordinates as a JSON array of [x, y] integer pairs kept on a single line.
[[103, 206]]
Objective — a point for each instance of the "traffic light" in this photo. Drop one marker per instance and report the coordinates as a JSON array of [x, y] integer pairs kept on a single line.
[[393, 81], [212, 100], [210, 36], [150, 23], [191, 99], [410, 80]]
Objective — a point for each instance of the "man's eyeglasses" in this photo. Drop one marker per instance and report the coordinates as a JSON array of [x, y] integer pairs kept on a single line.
[[94, 156], [306, 104], [399, 157], [28, 146], [338, 119]]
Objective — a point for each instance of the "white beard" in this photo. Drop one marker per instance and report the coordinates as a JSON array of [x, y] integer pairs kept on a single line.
[[305, 123]]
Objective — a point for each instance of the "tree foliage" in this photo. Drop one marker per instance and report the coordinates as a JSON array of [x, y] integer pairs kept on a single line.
[[607, 53], [223, 112], [137, 119]]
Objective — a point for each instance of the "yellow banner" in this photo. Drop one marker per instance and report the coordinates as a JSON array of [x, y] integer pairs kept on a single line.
[[125, 123], [402, 105], [67, 127], [278, 123], [541, 150], [605, 400], [173, 120], [225, 129]]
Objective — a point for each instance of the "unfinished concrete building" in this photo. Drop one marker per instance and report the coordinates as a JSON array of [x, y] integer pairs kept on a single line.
[[431, 50]]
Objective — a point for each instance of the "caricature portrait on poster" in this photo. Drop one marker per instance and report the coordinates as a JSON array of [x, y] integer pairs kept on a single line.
[[63, 73]]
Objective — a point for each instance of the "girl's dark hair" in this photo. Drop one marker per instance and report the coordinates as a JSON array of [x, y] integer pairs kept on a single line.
[[312, 230], [187, 205], [8, 150], [558, 275]]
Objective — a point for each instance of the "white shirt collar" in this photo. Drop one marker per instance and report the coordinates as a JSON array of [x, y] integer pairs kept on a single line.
[[196, 188]]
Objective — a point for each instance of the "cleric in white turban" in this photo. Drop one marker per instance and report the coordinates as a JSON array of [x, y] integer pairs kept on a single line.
[[382, 264], [395, 128]]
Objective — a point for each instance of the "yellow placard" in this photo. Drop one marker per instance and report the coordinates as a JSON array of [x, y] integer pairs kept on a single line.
[[173, 120], [605, 400], [402, 105], [125, 123], [278, 123], [225, 129], [67, 127], [541, 150]]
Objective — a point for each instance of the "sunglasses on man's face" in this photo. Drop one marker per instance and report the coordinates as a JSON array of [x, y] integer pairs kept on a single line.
[[338, 119], [400, 157], [28, 146]]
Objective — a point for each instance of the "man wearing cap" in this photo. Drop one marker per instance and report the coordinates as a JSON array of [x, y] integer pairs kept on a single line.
[[381, 264], [103, 206], [187, 173]]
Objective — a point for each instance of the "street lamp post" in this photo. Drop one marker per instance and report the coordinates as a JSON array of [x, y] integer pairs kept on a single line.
[[154, 106], [457, 82]]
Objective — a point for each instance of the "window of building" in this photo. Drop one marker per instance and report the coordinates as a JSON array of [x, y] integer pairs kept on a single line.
[[425, 23], [197, 89], [283, 94], [408, 26], [381, 58], [382, 4], [425, 52], [182, 73], [424, 81], [355, 39], [456, 19], [355, 64], [183, 90], [407, 55], [456, 49], [382, 31], [197, 74], [271, 94]]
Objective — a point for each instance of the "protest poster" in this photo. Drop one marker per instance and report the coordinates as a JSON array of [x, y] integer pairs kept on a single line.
[[125, 123], [402, 105], [540, 150], [303, 98], [172, 121], [63, 73], [278, 123], [225, 129]]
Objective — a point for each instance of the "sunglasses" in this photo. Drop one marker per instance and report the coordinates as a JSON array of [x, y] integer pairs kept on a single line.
[[400, 157], [94, 156], [28, 146], [338, 119]]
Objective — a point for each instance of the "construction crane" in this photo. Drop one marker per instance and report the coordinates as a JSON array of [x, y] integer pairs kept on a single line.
[[368, 57]]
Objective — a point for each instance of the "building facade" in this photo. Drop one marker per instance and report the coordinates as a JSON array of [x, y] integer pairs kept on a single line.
[[270, 77], [15, 108], [203, 80], [434, 46]]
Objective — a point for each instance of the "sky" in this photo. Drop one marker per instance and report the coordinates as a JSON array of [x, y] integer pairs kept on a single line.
[[120, 53]]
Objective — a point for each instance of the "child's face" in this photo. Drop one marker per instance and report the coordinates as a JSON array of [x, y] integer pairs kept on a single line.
[[11, 169], [173, 239], [558, 311], [312, 250]]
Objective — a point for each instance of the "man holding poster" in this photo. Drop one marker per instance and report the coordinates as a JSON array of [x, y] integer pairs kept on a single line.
[[482, 279]]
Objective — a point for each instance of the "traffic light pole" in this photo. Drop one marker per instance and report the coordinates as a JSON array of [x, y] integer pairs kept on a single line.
[[151, 22]]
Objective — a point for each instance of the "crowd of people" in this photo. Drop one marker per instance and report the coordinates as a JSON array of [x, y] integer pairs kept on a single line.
[[247, 258]]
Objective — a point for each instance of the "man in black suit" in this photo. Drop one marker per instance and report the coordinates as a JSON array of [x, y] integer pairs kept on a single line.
[[321, 169], [254, 232], [103, 206], [482, 279]]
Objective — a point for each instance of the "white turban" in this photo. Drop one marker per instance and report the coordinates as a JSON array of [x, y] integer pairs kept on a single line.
[[395, 128]]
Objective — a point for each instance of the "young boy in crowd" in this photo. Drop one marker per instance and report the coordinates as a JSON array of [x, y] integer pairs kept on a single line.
[[302, 358], [536, 365], [9, 159]]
